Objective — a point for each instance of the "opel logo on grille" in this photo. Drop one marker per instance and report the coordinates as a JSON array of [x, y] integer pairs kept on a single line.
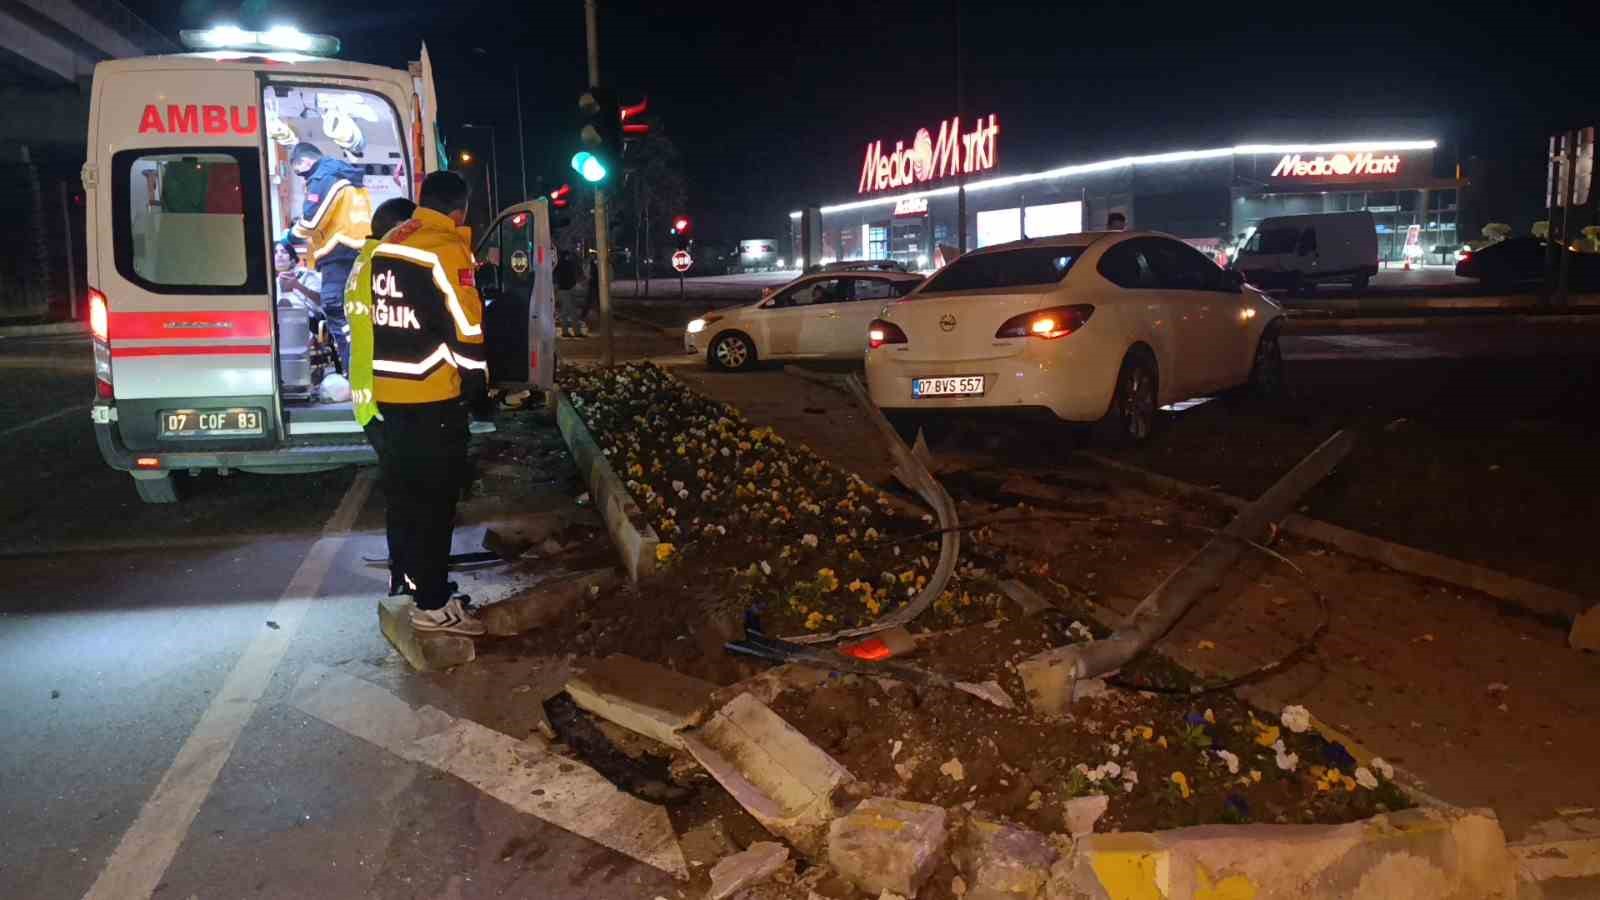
[[947, 322]]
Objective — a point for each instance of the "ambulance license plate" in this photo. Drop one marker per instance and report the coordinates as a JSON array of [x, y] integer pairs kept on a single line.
[[237, 421], [956, 386]]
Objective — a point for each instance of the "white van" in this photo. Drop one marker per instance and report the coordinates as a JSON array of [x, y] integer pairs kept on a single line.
[[201, 359], [1300, 252]]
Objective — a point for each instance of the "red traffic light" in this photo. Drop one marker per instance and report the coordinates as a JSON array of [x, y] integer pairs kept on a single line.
[[680, 225], [558, 197], [628, 113]]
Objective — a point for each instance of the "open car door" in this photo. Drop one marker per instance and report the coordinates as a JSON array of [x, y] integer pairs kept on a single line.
[[516, 263]]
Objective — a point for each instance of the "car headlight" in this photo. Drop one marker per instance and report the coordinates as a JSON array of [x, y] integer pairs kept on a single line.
[[696, 326]]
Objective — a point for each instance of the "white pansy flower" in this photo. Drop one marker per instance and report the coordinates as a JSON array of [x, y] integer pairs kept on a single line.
[[1365, 779], [1384, 769], [1296, 718], [1231, 760], [810, 540], [1286, 761]]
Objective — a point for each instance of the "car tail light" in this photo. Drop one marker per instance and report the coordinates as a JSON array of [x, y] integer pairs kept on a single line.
[[148, 462], [880, 332], [1052, 323], [100, 328]]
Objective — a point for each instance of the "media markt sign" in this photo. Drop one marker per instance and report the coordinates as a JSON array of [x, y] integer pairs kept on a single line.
[[952, 153], [1337, 165]]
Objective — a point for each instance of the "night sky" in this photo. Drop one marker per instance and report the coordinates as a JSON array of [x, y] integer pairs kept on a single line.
[[771, 104]]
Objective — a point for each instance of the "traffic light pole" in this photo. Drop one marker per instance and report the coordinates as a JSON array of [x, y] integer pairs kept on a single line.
[[602, 224]]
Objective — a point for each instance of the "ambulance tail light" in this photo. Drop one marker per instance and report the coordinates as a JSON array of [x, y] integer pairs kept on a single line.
[[100, 329]]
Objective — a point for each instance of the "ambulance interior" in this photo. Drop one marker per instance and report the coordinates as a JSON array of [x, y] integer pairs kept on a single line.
[[362, 129]]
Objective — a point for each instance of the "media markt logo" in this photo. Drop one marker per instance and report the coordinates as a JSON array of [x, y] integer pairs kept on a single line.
[[1293, 165]]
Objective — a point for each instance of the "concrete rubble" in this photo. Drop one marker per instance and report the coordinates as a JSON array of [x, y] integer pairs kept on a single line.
[[640, 696], [424, 652], [1585, 633], [1001, 862], [1047, 679], [739, 871], [777, 774], [887, 845], [1083, 812]]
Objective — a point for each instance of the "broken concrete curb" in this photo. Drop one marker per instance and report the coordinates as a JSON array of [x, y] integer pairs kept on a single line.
[[739, 871], [1441, 854], [887, 845], [776, 773], [635, 539], [424, 652], [643, 697], [543, 602]]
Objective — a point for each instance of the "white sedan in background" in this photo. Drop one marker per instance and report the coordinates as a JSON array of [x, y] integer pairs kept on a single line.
[[1101, 327], [818, 316]]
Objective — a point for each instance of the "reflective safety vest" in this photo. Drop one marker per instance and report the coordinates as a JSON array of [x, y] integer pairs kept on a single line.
[[427, 318], [337, 217], [358, 310]]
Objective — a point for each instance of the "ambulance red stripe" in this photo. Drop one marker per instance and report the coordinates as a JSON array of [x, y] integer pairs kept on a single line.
[[194, 350], [188, 324]]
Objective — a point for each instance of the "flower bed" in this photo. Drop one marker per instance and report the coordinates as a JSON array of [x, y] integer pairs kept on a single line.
[[751, 522], [765, 525]]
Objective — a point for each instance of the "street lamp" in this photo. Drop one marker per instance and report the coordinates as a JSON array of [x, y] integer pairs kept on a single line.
[[494, 166], [465, 157]]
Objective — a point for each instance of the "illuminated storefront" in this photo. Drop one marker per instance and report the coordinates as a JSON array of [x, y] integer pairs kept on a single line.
[[906, 203]]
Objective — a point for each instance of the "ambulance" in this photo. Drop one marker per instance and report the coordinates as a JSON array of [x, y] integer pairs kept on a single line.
[[205, 358]]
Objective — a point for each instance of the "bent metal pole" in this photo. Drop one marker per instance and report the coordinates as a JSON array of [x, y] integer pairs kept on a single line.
[[1204, 571]]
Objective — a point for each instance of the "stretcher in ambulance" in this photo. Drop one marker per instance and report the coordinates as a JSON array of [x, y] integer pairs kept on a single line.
[[211, 349]]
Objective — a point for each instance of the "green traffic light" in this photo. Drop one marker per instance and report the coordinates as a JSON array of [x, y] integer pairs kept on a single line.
[[589, 166]]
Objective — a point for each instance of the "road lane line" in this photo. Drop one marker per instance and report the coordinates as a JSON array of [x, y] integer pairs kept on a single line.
[[150, 843], [43, 419], [521, 774]]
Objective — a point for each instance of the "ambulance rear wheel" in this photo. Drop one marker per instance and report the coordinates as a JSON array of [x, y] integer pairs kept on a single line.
[[158, 489]]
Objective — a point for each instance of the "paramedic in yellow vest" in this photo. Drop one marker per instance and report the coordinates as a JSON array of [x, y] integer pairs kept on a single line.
[[335, 220], [427, 358], [358, 306]]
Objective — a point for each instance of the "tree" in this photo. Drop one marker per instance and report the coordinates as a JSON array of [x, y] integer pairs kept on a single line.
[[1496, 231], [654, 189]]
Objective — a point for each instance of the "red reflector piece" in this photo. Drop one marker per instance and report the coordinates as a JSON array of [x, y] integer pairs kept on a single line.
[[102, 390], [872, 650], [148, 462]]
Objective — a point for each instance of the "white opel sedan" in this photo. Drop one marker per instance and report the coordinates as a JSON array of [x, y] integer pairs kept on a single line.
[[1102, 327], [819, 316]]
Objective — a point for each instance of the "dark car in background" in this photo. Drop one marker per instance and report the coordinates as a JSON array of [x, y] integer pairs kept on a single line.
[[1521, 260]]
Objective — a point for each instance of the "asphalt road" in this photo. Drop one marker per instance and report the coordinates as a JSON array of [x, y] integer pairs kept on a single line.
[[150, 653], [153, 743]]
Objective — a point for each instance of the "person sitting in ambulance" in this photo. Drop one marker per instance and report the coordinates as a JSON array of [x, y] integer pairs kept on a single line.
[[297, 284], [335, 222]]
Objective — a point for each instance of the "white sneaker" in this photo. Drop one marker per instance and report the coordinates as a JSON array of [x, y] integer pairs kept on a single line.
[[451, 618]]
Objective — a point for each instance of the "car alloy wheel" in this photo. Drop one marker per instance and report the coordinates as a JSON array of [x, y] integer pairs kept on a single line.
[[1138, 403], [731, 352], [1267, 370]]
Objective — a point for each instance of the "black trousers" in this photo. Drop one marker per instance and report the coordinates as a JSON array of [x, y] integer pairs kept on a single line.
[[423, 457]]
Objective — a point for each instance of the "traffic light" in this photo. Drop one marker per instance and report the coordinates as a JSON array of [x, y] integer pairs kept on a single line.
[[680, 232], [561, 207], [629, 116], [600, 137]]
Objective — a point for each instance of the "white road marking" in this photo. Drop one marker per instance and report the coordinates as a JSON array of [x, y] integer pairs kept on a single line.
[[150, 843], [43, 419], [518, 773]]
